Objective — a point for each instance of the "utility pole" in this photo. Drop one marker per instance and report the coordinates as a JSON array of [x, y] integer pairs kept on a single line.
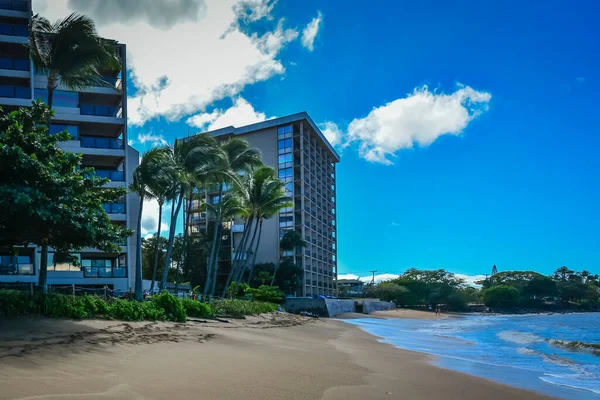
[[373, 280]]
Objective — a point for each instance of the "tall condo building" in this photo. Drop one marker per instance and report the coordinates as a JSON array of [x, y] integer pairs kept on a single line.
[[96, 118], [306, 161]]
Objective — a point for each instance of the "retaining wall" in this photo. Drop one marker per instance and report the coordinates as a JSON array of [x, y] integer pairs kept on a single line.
[[321, 307], [370, 306]]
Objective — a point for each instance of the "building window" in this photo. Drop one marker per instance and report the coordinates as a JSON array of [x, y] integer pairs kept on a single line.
[[61, 98], [286, 160], [58, 262], [104, 267], [286, 220], [73, 130], [286, 173], [284, 146], [16, 265], [284, 132]]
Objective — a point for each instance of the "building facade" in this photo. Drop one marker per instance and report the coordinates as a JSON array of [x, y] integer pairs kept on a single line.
[[352, 287], [306, 162], [96, 118]]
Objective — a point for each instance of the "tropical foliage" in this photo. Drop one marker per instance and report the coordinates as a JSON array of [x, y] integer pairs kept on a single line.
[[227, 181], [46, 197]]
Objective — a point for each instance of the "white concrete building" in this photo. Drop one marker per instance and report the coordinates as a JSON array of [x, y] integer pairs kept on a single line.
[[97, 120]]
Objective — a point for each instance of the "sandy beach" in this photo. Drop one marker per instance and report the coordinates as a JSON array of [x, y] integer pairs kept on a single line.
[[278, 356]]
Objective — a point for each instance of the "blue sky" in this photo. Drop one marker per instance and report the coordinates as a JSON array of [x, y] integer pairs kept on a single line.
[[482, 150]]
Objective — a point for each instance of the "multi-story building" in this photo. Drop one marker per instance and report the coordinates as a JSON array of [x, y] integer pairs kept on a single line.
[[96, 118], [306, 161]]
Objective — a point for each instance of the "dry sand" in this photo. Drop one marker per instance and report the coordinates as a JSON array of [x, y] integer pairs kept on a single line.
[[274, 356]]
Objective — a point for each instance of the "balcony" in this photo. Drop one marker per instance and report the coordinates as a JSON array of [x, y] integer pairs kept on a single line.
[[14, 64], [15, 92], [14, 5], [114, 208], [14, 30], [114, 176], [101, 111], [101, 143]]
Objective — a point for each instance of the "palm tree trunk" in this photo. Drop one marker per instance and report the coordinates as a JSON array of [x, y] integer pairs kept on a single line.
[[243, 268], [211, 259], [163, 283], [43, 278], [160, 207], [255, 252], [186, 225], [275, 273], [216, 266], [139, 295], [238, 252]]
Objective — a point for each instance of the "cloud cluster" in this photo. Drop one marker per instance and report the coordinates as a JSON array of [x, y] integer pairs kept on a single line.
[[419, 118], [331, 132], [239, 114], [152, 138], [182, 64], [310, 32], [150, 218], [162, 14]]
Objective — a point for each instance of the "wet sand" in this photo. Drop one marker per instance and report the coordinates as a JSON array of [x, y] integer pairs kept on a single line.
[[274, 356]]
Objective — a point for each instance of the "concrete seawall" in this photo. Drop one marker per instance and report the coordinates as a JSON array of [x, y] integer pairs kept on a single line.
[[333, 307]]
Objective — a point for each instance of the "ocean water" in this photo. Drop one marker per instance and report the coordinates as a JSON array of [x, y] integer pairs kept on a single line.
[[516, 350]]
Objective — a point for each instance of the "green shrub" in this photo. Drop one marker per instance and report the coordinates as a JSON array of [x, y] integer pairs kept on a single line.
[[241, 308], [269, 294], [197, 309], [501, 296], [15, 302], [136, 311], [173, 307], [237, 290]]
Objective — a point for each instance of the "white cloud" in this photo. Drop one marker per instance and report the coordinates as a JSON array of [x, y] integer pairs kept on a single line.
[[150, 218], [421, 117], [580, 79], [310, 32], [130, 142], [180, 68], [154, 139], [239, 114], [471, 279], [332, 132], [367, 279]]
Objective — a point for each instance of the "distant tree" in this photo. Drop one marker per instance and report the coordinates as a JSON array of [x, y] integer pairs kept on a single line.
[[563, 274], [46, 197], [428, 286], [540, 286], [501, 296], [388, 291]]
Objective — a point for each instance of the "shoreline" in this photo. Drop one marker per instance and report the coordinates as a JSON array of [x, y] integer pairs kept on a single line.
[[276, 355]]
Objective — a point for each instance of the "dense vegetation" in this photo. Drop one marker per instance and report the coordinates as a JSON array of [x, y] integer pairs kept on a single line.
[[162, 306], [565, 289]]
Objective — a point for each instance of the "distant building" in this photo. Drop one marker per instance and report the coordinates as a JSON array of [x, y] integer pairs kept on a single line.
[[306, 162], [355, 286], [96, 118]]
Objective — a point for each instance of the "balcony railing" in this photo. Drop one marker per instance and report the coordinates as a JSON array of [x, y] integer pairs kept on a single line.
[[101, 143], [14, 30], [17, 5], [116, 176], [16, 64], [114, 208], [101, 111], [17, 92]]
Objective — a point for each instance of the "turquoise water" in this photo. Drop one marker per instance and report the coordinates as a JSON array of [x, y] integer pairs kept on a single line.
[[514, 350]]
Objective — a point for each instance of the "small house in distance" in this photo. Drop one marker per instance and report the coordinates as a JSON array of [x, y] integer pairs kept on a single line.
[[350, 287]]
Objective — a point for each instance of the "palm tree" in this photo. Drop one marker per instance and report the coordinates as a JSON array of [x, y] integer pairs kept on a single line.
[[263, 195], [145, 173], [290, 241], [160, 188], [190, 161], [236, 157], [70, 53]]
